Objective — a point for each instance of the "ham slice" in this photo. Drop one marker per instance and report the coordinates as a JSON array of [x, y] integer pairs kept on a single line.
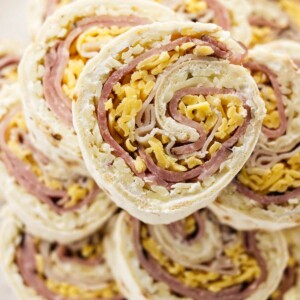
[[57, 58], [26, 262], [159, 274], [25, 177], [270, 133]]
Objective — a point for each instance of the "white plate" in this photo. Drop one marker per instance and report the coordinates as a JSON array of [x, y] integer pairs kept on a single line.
[[13, 20]]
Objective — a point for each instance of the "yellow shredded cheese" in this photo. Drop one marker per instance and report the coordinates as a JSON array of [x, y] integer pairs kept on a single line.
[[163, 160], [261, 35], [199, 108], [77, 192], [203, 51], [192, 162], [272, 119], [40, 264], [195, 6], [91, 251], [140, 165], [280, 178], [84, 47], [190, 225], [71, 75], [72, 291], [292, 8]]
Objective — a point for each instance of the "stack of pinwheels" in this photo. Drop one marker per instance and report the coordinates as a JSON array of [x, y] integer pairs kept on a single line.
[[150, 150]]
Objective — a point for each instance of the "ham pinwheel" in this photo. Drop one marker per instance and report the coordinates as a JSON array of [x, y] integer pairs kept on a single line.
[[53, 203], [195, 258], [274, 19], [231, 15], [165, 118], [40, 270], [52, 64], [266, 193]]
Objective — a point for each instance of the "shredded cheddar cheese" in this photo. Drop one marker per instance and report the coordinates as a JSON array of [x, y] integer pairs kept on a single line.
[[72, 291], [87, 45], [272, 119], [91, 251], [280, 178], [190, 225], [248, 267], [292, 8], [195, 6], [140, 165], [71, 75], [77, 192], [200, 109], [163, 160], [261, 35], [63, 2]]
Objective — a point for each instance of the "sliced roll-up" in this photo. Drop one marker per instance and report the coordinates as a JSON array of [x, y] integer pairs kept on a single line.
[[52, 64], [285, 47], [53, 203], [40, 270], [165, 118], [195, 258], [274, 19], [231, 15], [266, 192]]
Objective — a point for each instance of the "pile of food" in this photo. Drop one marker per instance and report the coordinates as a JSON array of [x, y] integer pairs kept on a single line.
[[150, 150]]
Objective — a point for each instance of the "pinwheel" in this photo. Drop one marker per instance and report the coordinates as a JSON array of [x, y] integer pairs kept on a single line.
[[165, 118]]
